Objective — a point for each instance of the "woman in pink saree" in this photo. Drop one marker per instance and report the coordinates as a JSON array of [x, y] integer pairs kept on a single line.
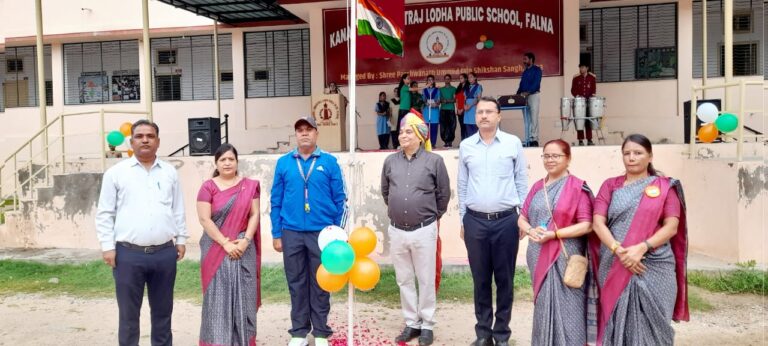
[[230, 263], [560, 312], [640, 221]]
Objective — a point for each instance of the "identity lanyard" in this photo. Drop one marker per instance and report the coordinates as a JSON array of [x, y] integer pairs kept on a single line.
[[306, 181]]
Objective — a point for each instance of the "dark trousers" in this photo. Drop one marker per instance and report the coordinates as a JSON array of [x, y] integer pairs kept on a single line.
[[447, 126], [433, 130], [587, 128], [492, 251], [134, 269], [310, 305], [384, 142], [400, 115], [462, 128]]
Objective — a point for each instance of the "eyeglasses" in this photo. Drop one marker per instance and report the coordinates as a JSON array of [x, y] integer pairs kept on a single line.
[[554, 157]]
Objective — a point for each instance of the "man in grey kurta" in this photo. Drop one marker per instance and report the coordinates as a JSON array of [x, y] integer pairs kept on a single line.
[[416, 189]]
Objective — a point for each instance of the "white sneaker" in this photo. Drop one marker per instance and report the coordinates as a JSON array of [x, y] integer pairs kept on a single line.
[[299, 342], [321, 342]]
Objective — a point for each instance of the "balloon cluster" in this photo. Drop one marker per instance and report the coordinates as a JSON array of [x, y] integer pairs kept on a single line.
[[117, 137], [346, 259], [714, 122], [484, 43]]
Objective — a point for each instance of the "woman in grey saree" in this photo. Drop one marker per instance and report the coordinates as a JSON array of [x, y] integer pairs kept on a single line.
[[559, 316], [640, 220], [228, 208]]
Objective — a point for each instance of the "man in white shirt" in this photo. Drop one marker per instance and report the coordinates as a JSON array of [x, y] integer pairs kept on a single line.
[[140, 214]]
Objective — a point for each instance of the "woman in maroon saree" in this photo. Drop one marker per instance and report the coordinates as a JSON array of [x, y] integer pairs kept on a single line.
[[640, 221], [560, 312], [230, 264]]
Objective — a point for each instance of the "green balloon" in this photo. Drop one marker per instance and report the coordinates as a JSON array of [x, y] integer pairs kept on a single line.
[[115, 138], [338, 257], [726, 122], [488, 44]]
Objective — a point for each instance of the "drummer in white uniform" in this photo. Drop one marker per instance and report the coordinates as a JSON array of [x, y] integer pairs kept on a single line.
[[584, 85]]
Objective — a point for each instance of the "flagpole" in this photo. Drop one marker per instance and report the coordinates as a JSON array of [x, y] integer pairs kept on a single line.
[[352, 30]]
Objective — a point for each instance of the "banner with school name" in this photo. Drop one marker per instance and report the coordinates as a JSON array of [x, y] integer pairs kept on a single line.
[[488, 37]]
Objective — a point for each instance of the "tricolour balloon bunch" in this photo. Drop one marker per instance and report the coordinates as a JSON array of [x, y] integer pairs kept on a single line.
[[346, 259], [714, 122], [117, 137]]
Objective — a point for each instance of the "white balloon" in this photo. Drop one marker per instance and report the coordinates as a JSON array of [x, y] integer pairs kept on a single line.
[[480, 46], [329, 234], [707, 112]]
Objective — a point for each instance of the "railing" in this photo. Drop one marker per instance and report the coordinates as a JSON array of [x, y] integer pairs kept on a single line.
[[49, 159], [740, 136], [224, 138]]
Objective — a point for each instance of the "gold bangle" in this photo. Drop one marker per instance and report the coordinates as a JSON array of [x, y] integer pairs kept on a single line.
[[614, 247], [557, 236]]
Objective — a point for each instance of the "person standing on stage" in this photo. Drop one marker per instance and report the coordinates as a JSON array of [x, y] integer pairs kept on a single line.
[[461, 89], [473, 93], [308, 194], [584, 84], [448, 112], [383, 118], [493, 183], [139, 215], [431, 111], [403, 89], [530, 85]]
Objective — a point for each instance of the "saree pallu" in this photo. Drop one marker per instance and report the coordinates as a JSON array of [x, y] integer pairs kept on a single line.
[[559, 316], [637, 309], [230, 287]]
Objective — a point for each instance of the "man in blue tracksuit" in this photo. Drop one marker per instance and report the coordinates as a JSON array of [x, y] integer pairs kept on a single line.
[[307, 195]]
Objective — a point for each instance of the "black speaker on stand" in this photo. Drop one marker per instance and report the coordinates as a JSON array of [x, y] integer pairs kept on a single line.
[[204, 135], [687, 117]]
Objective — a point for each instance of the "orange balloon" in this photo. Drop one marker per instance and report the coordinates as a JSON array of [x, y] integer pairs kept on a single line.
[[363, 241], [365, 274], [330, 282], [130, 152], [125, 129], [708, 133], [483, 38]]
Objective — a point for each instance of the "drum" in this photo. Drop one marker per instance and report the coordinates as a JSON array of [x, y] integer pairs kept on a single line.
[[579, 112], [566, 107], [596, 106]]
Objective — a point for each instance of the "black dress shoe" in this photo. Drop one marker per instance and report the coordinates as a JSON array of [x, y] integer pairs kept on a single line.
[[482, 342], [409, 334], [426, 337], [589, 142], [533, 144], [502, 343]]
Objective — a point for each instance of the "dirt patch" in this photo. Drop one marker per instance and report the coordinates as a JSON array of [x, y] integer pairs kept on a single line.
[[62, 320]]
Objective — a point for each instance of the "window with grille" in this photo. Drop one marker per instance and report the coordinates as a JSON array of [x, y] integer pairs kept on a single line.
[[14, 65], [632, 42], [18, 76], [742, 23], [101, 72], [744, 59], [168, 88], [750, 34], [277, 63], [190, 62], [166, 57]]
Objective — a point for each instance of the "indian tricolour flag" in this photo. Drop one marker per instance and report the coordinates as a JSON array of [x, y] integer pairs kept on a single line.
[[372, 21]]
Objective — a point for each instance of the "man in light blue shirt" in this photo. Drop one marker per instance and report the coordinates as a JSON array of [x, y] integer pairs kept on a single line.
[[140, 213], [493, 183]]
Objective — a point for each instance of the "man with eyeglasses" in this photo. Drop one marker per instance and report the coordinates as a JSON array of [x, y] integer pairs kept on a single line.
[[493, 183]]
